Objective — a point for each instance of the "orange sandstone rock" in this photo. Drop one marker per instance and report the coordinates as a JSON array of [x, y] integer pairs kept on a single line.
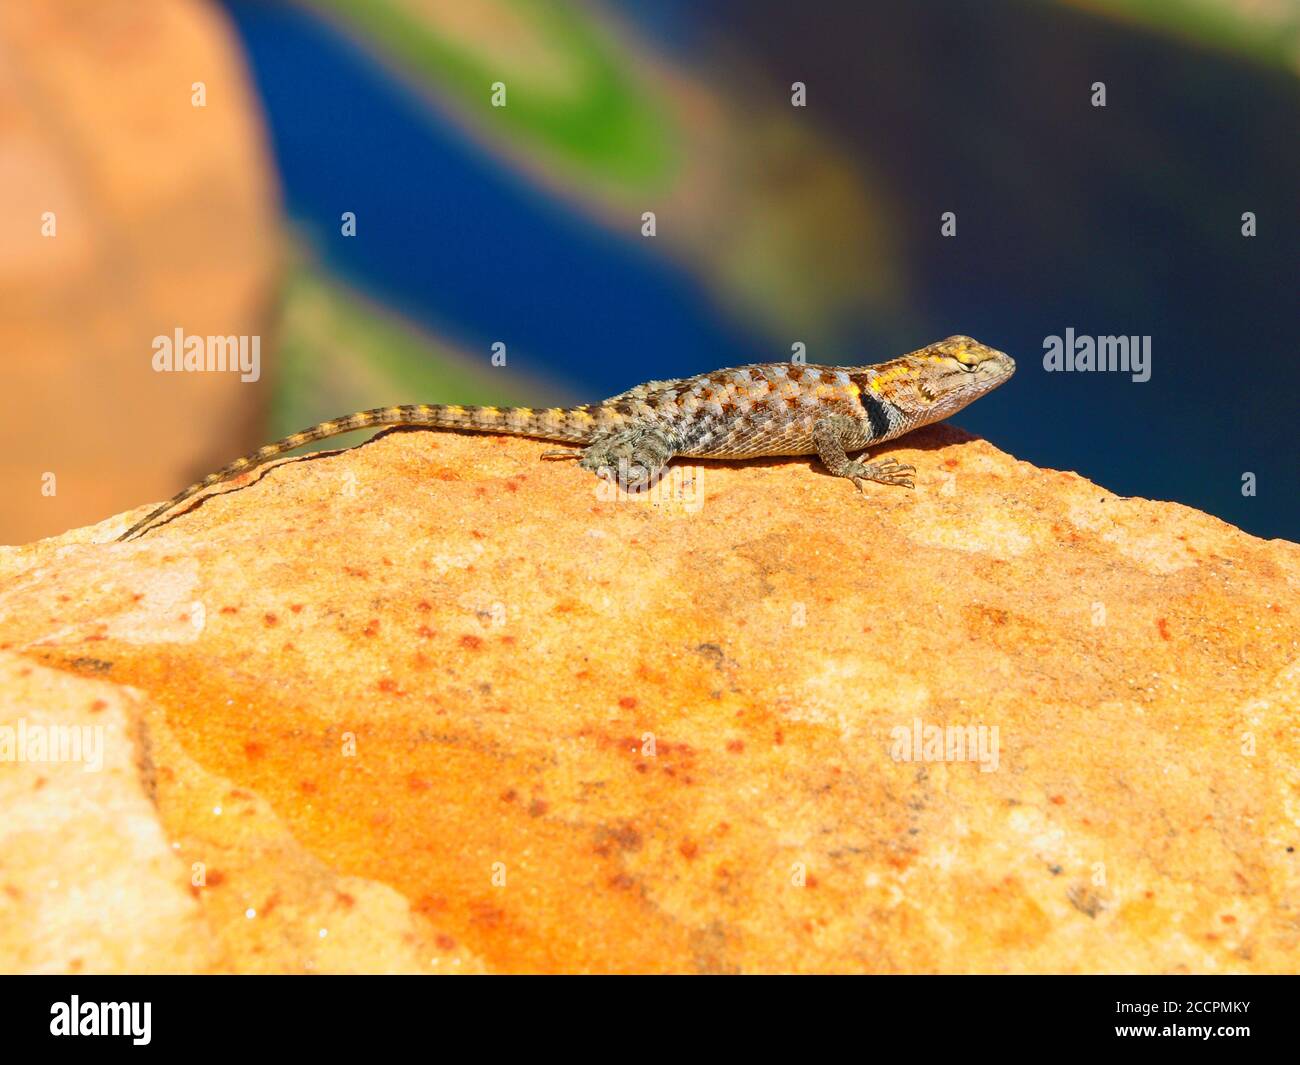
[[433, 705], [126, 213]]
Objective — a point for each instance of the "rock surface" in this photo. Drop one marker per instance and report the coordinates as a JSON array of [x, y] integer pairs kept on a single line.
[[126, 212], [432, 705]]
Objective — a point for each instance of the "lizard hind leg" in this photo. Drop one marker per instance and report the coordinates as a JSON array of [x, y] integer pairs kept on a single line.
[[631, 458]]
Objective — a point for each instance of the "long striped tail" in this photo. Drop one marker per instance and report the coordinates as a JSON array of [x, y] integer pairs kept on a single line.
[[572, 424]]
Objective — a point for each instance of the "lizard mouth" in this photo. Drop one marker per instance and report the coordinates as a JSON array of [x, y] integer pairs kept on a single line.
[[1000, 367]]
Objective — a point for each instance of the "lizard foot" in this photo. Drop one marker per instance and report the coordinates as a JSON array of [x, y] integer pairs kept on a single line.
[[886, 471], [630, 458]]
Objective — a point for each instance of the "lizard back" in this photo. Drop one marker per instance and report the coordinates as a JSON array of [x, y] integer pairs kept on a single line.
[[756, 410]]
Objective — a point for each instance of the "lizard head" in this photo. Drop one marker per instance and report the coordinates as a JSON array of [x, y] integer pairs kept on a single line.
[[970, 355], [941, 378]]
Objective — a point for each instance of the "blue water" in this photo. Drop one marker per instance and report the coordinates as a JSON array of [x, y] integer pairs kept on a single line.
[[1116, 221], [456, 240]]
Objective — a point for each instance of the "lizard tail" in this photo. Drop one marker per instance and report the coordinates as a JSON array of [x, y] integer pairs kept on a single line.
[[553, 424]]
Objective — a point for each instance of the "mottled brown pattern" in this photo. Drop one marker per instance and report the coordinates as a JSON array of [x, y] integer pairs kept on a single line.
[[739, 413]]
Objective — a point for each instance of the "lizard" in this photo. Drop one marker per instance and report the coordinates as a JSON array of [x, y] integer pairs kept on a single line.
[[767, 409]]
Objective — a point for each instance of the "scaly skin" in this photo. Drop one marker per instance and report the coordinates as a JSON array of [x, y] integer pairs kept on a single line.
[[747, 412]]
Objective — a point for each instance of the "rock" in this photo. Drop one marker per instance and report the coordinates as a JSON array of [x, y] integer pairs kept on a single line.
[[433, 705], [161, 216]]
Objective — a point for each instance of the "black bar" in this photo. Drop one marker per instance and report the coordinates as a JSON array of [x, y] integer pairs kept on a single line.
[[342, 1014]]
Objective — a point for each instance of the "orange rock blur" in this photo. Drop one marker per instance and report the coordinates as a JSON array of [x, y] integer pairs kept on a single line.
[[433, 705], [126, 213]]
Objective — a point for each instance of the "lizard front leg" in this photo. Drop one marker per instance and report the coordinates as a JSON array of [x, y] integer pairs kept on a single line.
[[829, 434], [631, 457]]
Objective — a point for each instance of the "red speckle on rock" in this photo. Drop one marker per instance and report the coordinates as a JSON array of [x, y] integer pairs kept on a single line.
[[427, 904]]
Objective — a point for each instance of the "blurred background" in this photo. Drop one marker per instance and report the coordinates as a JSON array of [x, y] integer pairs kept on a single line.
[[182, 164]]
